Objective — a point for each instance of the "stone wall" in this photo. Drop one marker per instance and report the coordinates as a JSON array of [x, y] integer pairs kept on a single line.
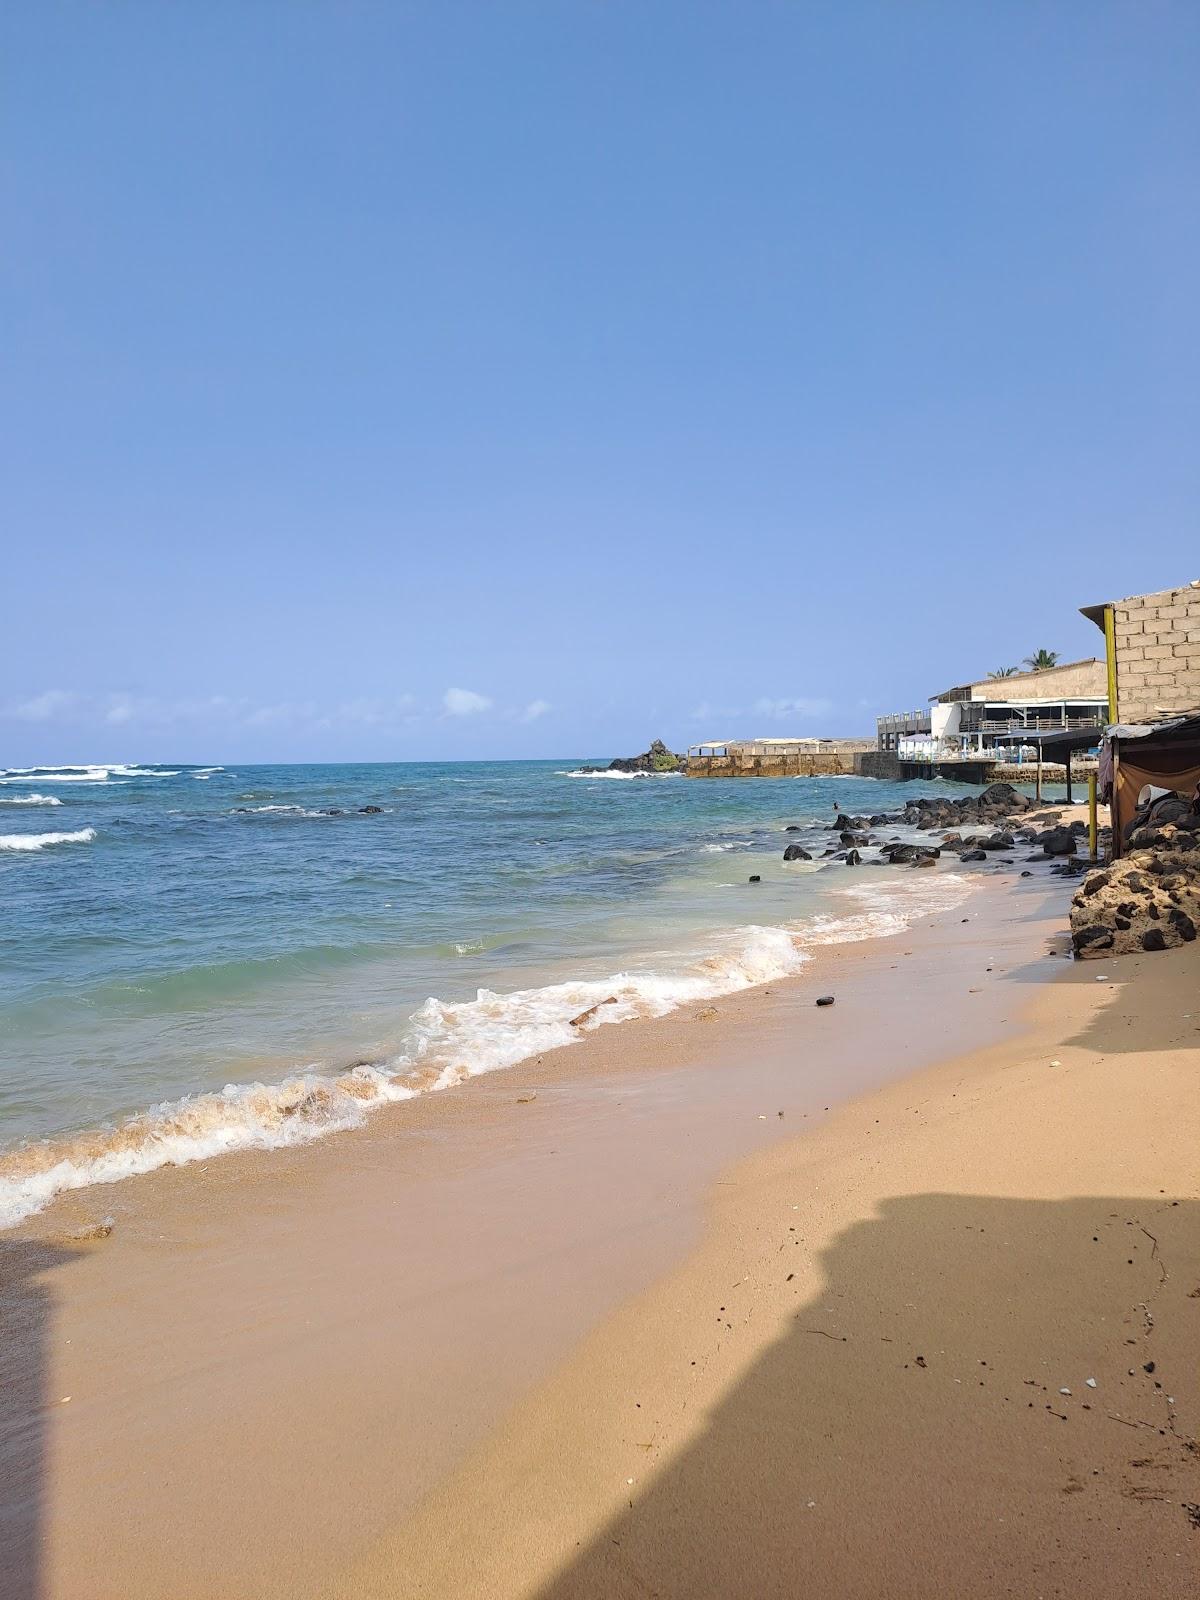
[[879, 764], [1158, 653], [796, 764]]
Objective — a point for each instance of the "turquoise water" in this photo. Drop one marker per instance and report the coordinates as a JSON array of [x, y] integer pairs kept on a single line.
[[171, 931]]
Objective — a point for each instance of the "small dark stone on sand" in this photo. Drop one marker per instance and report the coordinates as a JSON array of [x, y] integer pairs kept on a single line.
[[824, 999], [754, 878]]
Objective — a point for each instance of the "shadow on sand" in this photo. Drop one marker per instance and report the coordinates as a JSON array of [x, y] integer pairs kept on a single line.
[[907, 1436], [26, 1316]]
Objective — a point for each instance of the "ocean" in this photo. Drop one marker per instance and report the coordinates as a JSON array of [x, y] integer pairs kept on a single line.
[[202, 959]]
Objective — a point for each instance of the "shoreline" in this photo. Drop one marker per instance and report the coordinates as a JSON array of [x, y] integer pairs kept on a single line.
[[297, 1105], [943, 1343], [361, 1312]]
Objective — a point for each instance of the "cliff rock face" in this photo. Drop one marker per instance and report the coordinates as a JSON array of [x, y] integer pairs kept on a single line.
[[657, 759], [1149, 900]]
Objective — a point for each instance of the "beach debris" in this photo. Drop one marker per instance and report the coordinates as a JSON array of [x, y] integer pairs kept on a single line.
[[1091, 1383], [707, 1014], [920, 1361], [1064, 1391], [94, 1231], [524, 1099], [1056, 1063], [825, 999], [585, 1016]]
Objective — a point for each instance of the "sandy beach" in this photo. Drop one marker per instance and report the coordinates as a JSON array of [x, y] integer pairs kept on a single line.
[[944, 1345], [756, 1298]]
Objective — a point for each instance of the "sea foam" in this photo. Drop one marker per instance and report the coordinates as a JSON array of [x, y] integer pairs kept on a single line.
[[101, 772], [448, 1043], [29, 800], [39, 841]]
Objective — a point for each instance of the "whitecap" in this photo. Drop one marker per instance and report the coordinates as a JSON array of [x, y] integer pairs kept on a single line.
[[39, 841]]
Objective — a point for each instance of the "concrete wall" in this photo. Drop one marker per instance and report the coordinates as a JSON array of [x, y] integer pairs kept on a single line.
[[879, 764], [1083, 680], [798, 764], [1158, 653]]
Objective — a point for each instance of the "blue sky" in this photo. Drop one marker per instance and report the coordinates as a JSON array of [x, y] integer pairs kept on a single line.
[[435, 380]]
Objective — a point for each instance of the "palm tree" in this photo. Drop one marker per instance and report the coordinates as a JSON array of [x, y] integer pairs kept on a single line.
[[1042, 660], [1004, 672]]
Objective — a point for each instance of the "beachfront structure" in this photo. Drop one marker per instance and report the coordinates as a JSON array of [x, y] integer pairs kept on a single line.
[[1152, 644], [773, 757], [991, 717]]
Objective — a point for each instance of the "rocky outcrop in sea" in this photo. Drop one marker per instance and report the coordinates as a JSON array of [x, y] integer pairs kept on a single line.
[[656, 759]]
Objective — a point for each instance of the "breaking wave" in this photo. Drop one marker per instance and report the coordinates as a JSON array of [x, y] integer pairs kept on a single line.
[[449, 1042], [99, 773], [608, 772], [29, 800], [39, 841]]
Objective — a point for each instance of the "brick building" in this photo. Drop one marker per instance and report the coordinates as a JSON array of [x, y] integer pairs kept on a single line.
[[1153, 650]]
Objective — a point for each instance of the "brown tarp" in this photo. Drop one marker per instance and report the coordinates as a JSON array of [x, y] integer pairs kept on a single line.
[[1167, 766]]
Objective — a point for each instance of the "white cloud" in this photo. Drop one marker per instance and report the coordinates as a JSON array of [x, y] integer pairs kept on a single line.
[[124, 708], [705, 712], [800, 707], [534, 710], [286, 713], [371, 713], [464, 702], [44, 707]]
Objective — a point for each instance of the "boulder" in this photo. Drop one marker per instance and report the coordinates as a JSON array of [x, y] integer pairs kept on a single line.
[[1149, 900], [795, 853], [1057, 842]]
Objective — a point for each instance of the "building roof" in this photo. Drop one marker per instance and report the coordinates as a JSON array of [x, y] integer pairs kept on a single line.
[[1096, 613], [1010, 687]]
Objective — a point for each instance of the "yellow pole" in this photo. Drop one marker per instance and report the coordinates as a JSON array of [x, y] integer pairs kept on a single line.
[[1092, 830], [1110, 651]]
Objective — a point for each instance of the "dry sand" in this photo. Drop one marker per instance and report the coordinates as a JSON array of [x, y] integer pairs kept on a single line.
[[947, 1345], [426, 1358]]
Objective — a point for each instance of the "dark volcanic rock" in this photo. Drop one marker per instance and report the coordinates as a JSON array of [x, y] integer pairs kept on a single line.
[[795, 853], [1149, 900], [657, 759], [1058, 842]]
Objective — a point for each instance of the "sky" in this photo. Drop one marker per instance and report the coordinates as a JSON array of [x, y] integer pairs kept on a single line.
[[442, 380]]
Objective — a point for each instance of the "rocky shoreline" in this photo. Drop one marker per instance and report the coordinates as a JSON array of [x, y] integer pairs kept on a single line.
[[971, 827], [1148, 900]]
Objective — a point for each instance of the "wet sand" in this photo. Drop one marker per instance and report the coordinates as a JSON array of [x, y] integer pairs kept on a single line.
[[324, 1369]]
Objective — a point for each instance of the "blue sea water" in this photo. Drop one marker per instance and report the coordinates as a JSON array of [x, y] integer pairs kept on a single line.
[[201, 959]]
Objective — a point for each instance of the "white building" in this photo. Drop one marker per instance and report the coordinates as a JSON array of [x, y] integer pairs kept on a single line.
[[992, 714]]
